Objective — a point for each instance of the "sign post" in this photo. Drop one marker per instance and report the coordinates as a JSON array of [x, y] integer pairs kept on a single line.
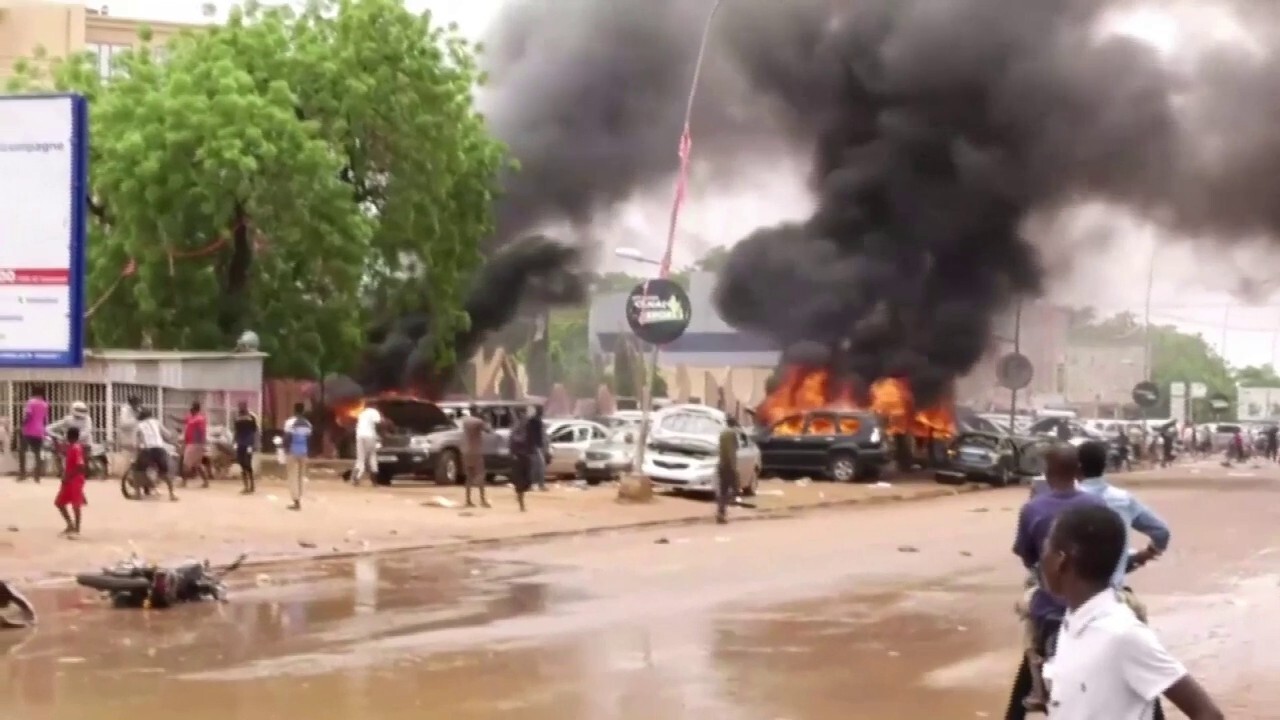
[[44, 168]]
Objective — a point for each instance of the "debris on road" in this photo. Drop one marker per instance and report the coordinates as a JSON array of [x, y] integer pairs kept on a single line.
[[440, 501], [908, 549]]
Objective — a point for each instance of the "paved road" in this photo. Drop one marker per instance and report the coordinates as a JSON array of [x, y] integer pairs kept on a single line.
[[899, 611]]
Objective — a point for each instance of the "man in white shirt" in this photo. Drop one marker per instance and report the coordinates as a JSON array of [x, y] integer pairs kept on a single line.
[[367, 423], [1107, 665], [126, 434], [153, 448]]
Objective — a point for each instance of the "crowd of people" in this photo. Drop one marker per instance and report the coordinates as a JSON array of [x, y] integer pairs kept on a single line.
[[1088, 650]]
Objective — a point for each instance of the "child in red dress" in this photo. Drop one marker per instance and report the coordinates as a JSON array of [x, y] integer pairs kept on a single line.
[[71, 494]]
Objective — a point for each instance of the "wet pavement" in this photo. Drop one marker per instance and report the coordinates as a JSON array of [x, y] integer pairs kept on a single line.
[[885, 612]]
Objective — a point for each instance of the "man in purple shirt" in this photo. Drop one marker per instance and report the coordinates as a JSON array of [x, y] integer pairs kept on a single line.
[[1044, 612], [35, 419]]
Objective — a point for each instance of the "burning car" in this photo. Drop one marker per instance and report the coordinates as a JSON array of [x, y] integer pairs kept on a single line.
[[841, 445], [913, 434], [993, 458], [425, 441], [683, 450]]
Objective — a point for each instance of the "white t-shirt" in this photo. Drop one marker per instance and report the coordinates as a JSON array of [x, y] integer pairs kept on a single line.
[[1108, 665], [367, 423]]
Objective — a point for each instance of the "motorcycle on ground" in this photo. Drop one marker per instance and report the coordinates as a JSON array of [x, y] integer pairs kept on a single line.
[[1023, 681], [133, 583]]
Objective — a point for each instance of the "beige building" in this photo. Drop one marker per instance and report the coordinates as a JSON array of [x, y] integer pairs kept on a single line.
[[1099, 377], [63, 29]]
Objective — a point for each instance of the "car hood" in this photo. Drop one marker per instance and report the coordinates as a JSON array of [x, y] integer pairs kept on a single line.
[[696, 445], [412, 416]]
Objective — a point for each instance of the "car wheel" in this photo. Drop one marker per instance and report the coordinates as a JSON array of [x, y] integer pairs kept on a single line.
[[447, 468], [843, 467]]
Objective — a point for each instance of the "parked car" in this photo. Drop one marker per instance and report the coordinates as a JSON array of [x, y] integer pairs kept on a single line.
[[622, 419], [609, 459], [426, 440], [1077, 432], [568, 441], [995, 458], [683, 450], [842, 446]]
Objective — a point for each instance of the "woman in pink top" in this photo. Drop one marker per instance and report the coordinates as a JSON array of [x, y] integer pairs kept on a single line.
[[34, 421]]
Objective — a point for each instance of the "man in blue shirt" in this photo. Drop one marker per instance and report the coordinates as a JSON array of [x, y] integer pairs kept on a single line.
[[297, 431], [1043, 612], [1093, 468]]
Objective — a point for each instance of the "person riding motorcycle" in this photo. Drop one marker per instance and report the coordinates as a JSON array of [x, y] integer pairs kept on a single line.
[[79, 417]]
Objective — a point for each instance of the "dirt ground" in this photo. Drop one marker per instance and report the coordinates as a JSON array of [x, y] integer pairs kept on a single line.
[[218, 523]]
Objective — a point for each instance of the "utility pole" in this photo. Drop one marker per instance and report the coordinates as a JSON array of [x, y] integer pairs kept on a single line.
[[1146, 316], [1017, 348]]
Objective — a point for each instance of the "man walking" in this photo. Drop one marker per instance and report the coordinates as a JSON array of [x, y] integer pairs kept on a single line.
[[727, 470], [297, 431], [367, 423], [195, 433], [245, 431], [473, 430], [35, 420], [536, 439]]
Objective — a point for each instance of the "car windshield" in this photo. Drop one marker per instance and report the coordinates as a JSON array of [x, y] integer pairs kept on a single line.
[[988, 442], [689, 424]]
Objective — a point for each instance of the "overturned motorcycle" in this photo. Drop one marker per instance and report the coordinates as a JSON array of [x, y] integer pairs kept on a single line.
[[137, 584]]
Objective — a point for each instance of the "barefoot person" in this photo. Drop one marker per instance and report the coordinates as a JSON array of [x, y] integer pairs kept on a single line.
[[1108, 664], [473, 430], [71, 494]]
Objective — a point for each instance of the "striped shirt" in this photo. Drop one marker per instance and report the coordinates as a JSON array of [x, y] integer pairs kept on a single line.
[[150, 434]]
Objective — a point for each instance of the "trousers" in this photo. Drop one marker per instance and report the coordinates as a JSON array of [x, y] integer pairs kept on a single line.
[[366, 458], [726, 489], [295, 472]]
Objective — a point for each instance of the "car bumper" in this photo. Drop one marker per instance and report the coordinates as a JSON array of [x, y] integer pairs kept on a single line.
[[406, 461], [600, 469], [698, 479], [967, 472]]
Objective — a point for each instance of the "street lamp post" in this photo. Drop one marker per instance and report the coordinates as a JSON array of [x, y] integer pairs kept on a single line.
[[664, 267], [1146, 317]]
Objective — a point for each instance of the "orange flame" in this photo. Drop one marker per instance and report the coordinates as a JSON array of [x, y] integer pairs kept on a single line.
[[803, 389], [346, 413]]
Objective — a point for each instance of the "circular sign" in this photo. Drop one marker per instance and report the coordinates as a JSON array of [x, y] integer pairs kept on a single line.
[[1014, 371], [1219, 402], [658, 311], [1146, 394]]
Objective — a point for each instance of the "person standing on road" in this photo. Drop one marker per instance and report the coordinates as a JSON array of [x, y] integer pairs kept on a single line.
[[1041, 612], [195, 433], [297, 433], [245, 434], [727, 470], [153, 451], [70, 497], [127, 434], [1271, 434], [35, 421], [367, 423], [522, 453], [1093, 468], [473, 429], [536, 438], [1108, 664]]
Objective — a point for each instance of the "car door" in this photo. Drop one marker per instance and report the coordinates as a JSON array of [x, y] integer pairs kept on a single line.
[[782, 446], [820, 432], [748, 457], [561, 442]]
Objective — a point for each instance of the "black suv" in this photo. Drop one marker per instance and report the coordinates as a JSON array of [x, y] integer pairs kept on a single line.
[[840, 445]]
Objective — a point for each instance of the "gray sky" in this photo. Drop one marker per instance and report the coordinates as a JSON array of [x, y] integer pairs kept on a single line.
[[1184, 292]]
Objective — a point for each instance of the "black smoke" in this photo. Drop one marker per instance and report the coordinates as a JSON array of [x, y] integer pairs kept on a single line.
[[943, 126]]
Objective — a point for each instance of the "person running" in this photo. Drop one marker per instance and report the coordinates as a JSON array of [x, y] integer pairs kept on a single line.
[[727, 470], [473, 429], [367, 423], [1108, 663], [245, 432], [70, 497], [35, 421], [297, 431], [153, 450], [1041, 612], [195, 434]]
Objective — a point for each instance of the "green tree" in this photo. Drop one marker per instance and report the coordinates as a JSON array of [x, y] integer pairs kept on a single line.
[[624, 368], [1176, 356], [287, 172], [1257, 376]]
